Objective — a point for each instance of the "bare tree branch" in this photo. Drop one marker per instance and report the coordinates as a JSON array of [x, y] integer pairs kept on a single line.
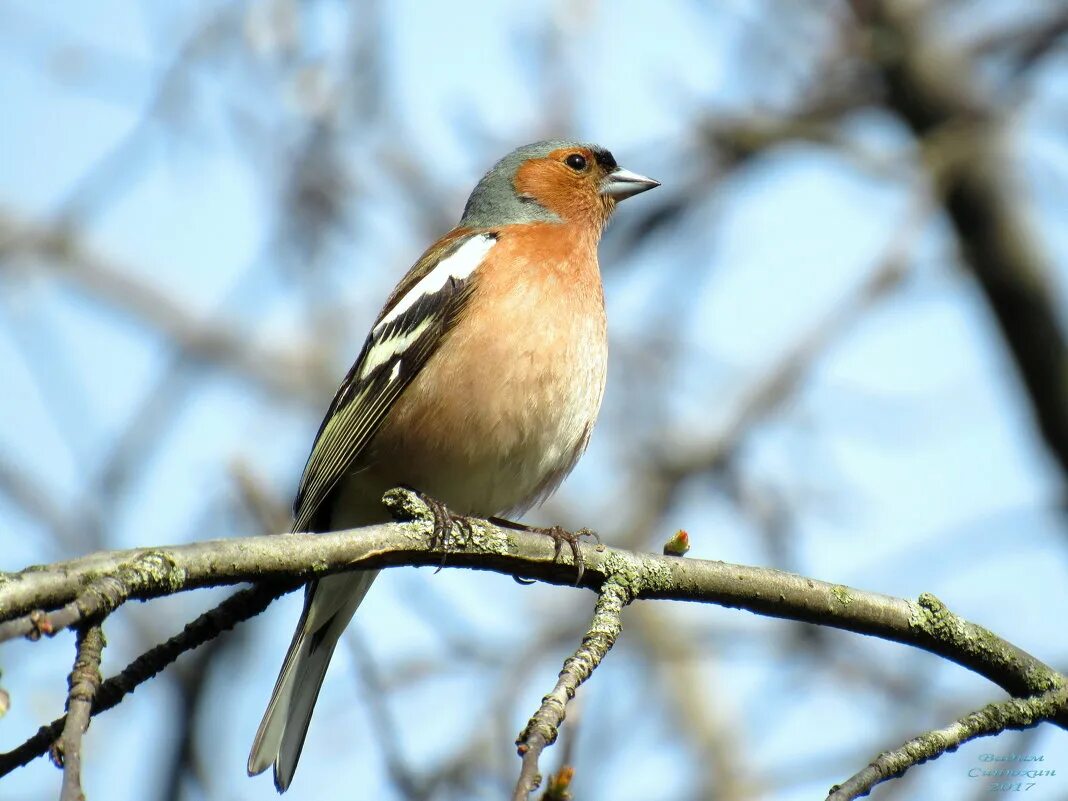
[[542, 728], [282, 561], [156, 572], [1014, 714], [84, 684], [237, 608], [97, 600]]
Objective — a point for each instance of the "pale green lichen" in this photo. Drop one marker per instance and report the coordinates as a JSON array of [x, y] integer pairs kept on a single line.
[[415, 522], [414, 531], [481, 536], [155, 569], [148, 572], [932, 617], [635, 573], [601, 635], [406, 505], [842, 594]]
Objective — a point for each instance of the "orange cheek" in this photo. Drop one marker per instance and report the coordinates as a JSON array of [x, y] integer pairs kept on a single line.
[[531, 179], [569, 199]]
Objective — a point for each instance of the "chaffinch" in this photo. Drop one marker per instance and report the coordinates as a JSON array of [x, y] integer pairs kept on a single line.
[[478, 385]]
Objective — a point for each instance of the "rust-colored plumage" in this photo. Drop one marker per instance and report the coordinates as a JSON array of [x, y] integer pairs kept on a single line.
[[573, 195], [478, 385]]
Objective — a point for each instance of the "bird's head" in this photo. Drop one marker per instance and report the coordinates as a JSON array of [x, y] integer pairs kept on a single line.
[[552, 181]]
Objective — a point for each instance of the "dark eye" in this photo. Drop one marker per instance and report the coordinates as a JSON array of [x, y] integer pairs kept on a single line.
[[576, 161]]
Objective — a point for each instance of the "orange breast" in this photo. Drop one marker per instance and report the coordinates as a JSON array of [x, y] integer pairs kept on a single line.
[[505, 407]]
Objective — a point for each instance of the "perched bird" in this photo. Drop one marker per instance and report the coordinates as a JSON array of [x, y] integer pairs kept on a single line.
[[478, 386]]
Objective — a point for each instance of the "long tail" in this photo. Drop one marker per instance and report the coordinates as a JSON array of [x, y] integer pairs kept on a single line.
[[328, 606]]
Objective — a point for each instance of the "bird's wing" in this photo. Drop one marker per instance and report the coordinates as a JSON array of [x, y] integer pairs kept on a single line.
[[412, 325]]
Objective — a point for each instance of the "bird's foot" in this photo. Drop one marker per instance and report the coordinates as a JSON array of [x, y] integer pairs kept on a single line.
[[444, 522], [559, 536]]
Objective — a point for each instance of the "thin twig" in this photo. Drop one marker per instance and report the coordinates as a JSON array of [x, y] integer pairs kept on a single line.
[[558, 786], [237, 608], [99, 598], [1014, 714], [542, 728], [291, 559], [84, 683]]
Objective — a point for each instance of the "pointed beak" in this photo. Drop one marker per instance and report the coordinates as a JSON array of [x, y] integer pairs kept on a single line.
[[621, 184]]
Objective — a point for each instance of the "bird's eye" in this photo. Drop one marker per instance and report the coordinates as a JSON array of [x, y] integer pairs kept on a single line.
[[576, 161]]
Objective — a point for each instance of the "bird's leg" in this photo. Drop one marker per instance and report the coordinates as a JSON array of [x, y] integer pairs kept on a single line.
[[559, 536], [444, 520]]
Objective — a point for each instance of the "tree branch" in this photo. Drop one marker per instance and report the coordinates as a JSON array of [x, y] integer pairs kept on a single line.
[[237, 608], [84, 684], [1016, 713], [542, 728], [96, 601], [925, 623], [282, 562]]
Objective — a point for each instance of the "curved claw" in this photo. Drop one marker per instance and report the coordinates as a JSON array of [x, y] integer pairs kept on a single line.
[[444, 520], [589, 533], [559, 536]]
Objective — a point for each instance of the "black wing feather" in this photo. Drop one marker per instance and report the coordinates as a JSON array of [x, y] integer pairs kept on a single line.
[[366, 395]]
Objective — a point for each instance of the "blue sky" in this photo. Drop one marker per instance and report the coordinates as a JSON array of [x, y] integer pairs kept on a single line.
[[907, 457]]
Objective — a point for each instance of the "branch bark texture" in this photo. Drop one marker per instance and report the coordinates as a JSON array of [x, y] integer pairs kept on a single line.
[[279, 563], [1014, 714], [543, 727], [84, 683], [925, 623]]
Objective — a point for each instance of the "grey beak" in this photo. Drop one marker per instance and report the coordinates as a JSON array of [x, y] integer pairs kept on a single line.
[[622, 184]]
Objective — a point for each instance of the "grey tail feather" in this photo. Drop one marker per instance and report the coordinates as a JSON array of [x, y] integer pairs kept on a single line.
[[329, 605], [268, 740], [314, 660]]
